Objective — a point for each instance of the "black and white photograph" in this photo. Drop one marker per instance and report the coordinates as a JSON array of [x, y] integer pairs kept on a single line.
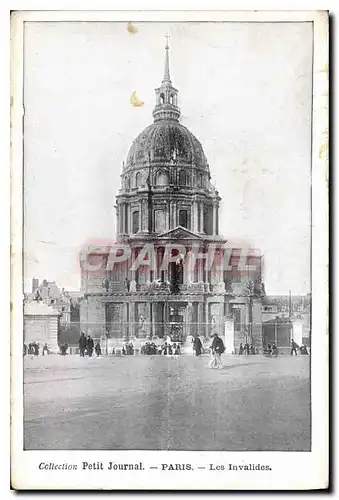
[[168, 189]]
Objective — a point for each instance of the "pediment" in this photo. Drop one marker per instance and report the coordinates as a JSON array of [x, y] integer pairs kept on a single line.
[[180, 233]]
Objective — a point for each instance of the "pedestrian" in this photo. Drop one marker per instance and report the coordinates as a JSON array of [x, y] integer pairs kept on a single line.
[[36, 349], [45, 349], [218, 349], [197, 346], [82, 344], [90, 345], [274, 350], [98, 349], [25, 349], [294, 347], [241, 349]]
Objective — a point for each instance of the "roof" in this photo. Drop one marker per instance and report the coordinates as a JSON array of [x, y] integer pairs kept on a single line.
[[39, 308], [166, 141]]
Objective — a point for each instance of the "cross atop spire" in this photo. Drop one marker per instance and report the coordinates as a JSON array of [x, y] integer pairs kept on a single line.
[[167, 77]]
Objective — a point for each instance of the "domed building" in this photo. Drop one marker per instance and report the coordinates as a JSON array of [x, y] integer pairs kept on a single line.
[[168, 224]]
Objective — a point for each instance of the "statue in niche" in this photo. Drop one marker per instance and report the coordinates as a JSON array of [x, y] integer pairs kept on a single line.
[[133, 286], [105, 284], [141, 323], [222, 287], [126, 284], [250, 286]]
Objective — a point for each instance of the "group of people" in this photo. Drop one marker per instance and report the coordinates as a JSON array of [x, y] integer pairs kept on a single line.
[[247, 349], [128, 349], [271, 350], [86, 346], [295, 347], [166, 349], [33, 349]]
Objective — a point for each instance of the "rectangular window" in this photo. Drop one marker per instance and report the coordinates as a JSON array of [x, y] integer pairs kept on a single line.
[[183, 218], [159, 221], [135, 222]]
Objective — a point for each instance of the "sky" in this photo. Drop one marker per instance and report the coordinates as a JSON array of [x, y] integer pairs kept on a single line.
[[245, 91]]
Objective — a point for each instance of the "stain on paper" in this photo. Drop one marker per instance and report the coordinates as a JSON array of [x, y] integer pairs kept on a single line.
[[323, 150], [131, 28], [135, 101]]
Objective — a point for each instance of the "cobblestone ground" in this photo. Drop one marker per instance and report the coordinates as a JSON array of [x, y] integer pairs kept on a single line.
[[174, 403]]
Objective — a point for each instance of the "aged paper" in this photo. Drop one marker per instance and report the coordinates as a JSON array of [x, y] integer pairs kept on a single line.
[[169, 250]]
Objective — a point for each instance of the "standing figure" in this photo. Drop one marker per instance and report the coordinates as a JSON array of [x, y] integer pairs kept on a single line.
[[197, 346], [218, 349], [90, 346], [82, 344], [98, 349], [294, 347], [241, 349], [45, 349]]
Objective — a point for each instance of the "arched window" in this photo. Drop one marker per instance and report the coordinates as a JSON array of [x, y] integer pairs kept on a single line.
[[162, 99], [183, 181], [172, 99], [161, 179], [138, 180], [127, 183]]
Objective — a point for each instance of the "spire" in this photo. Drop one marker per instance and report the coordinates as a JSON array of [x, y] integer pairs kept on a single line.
[[167, 77], [166, 106]]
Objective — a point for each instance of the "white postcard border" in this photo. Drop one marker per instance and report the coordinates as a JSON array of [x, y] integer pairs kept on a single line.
[[290, 470]]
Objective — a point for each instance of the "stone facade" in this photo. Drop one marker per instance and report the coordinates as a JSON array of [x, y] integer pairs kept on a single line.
[[41, 325], [168, 223]]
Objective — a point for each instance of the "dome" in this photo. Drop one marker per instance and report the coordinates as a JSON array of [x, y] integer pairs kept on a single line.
[[168, 142]]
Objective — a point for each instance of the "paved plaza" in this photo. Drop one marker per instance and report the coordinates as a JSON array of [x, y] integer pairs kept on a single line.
[[171, 403]]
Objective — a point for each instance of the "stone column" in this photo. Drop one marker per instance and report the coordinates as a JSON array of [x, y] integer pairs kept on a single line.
[[201, 217], [189, 318], [132, 325], [229, 336], [201, 330], [221, 319], [121, 218], [175, 217], [117, 227], [194, 216], [125, 329], [215, 231], [144, 216], [257, 323], [168, 215], [128, 226], [206, 318]]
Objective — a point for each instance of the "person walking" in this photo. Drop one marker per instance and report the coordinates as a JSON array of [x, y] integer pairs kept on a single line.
[[197, 346], [294, 347], [82, 344], [218, 349]]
